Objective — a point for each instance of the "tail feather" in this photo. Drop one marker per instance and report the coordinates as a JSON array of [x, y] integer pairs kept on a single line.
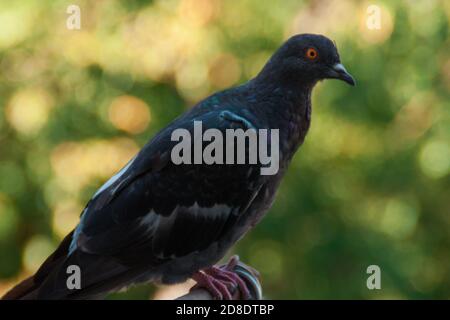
[[27, 289], [99, 275]]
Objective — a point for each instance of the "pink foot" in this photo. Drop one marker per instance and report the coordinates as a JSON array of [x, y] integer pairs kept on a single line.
[[218, 289], [222, 282]]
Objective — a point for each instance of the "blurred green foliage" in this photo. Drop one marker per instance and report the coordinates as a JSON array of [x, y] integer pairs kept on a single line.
[[371, 185]]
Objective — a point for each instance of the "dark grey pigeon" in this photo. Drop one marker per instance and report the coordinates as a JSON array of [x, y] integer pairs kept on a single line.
[[164, 222]]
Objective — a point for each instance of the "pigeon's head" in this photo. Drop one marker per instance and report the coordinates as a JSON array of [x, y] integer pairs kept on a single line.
[[306, 59]]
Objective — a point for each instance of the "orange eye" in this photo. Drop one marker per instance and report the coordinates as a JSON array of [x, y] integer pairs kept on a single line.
[[311, 54]]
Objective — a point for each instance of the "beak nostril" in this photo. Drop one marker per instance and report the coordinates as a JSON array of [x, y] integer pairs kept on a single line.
[[339, 67]]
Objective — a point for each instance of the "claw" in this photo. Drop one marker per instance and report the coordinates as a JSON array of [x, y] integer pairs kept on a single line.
[[217, 289], [232, 277], [225, 281]]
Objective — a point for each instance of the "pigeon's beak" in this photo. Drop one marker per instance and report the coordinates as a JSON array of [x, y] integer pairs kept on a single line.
[[338, 71]]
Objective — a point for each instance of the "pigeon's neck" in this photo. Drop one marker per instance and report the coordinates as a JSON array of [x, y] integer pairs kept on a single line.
[[287, 108]]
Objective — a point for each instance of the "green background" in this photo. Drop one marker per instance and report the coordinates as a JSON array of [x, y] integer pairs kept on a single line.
[[371, 184]]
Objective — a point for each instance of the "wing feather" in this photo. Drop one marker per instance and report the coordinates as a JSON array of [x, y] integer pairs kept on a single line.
[[155, 210]]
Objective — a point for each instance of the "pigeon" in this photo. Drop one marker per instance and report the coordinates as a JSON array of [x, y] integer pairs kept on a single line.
[[164, 222]]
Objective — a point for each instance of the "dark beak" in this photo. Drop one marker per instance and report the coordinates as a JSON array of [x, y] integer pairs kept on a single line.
[[338, 71]]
